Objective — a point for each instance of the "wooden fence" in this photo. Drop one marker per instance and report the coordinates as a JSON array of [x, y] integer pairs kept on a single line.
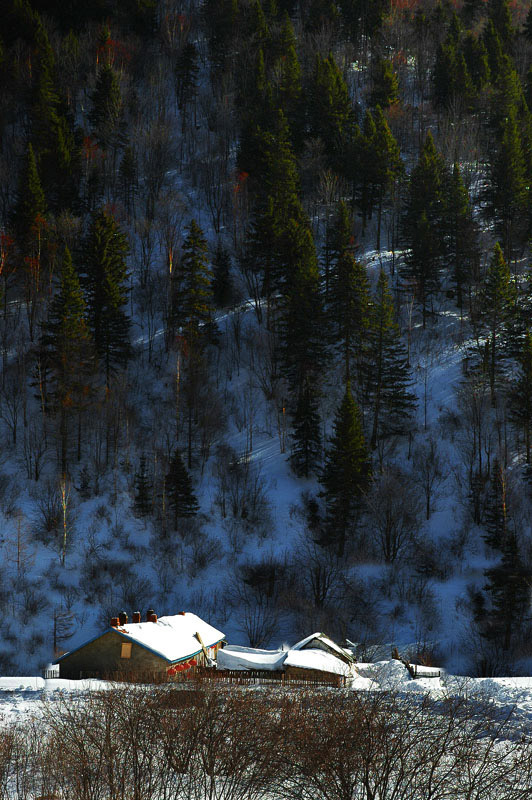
[[264, 676], [303, 678]]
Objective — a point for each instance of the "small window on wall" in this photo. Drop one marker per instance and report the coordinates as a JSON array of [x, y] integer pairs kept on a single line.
[[126, 650]]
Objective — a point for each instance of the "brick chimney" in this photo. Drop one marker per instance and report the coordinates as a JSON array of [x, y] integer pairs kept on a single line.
[[180, 613], [122, 618], [149, 614], [114, 622], [153, 618], [136, 616]]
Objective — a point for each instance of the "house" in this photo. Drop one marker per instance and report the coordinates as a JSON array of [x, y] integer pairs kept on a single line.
[[150, 650], [316, 656]]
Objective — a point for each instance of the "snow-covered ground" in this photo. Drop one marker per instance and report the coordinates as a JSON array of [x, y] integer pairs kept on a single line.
[[21, 697]]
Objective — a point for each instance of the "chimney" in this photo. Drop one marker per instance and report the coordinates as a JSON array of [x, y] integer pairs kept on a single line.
[[152, 618], [149, 614], [114, 622], [122, 617], [136, 616], [180, 613]]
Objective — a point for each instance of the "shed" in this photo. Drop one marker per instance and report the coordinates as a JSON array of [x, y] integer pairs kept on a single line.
[[313, 656], [150, 650]]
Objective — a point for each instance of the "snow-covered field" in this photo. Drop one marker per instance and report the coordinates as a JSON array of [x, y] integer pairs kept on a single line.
[[21, 697]]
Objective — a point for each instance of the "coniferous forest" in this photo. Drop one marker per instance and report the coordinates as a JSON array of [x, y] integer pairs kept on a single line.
[[265, 322]]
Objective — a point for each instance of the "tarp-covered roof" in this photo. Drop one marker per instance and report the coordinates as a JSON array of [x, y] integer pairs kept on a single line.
[[235, 657]]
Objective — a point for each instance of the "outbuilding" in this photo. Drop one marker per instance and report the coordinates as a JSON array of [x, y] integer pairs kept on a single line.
[[152, 650]]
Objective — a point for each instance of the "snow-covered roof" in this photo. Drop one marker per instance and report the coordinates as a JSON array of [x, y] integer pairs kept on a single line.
[[244, 658], [172, 638], [320, 641], [314, 652], [317, 659]]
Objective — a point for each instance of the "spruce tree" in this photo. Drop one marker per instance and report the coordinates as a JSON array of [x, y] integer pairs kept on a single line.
[[346, 474], [68, 354], [105, 282], [178, 487], [388, 383]]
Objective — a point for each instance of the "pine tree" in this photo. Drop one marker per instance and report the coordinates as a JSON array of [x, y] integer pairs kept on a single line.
[[346, 474], [306, 436], [508, 589], [178, 487], [527, 30], [508, 97], [387, 377], [339, 239], [350, 309], [301, 346], [192, 291], [68, 354], [494, 48], [30, 205], [222, 283], [319, 13], [128, 177], [476, 57], [331, 112], [56, 150], [288, 84], [143, 501], [520, 394], [462, 239], [367, 166], [388, 164], [500, 15], [277, 208], [497, 305], [186, 78], [424, 224], [106, 288], [385, 86], [107, 113], [509, 189], [496, 516]]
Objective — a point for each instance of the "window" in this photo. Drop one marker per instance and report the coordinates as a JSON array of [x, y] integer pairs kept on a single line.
[[126, 650]]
